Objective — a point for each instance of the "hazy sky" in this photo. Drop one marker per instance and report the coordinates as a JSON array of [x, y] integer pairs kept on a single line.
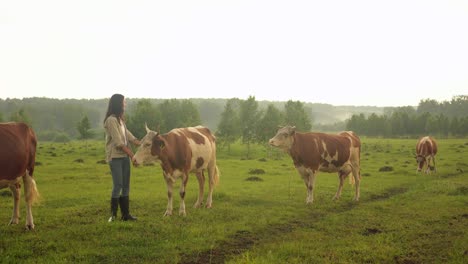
[[383, 53]]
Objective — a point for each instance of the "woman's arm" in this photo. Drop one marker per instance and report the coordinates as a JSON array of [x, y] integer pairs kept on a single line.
[[128, 151], [132, 138]]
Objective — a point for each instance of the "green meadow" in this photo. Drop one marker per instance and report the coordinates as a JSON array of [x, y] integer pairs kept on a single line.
[[259, 213]]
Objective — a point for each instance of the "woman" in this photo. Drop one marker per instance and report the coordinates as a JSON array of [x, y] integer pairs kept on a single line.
[[118, 155]]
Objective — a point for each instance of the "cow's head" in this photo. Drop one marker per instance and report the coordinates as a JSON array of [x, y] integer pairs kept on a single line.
[[284, 138], [420, 160], [144, 151]]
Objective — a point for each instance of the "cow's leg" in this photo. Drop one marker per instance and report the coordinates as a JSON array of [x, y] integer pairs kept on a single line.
[[30, 194], [309, 180], [213, 175], [357, 180], [169, 184], [305, 175], [312, 186], [428, 165], [431, 167], [201, 186], [341, 176], [182, 194], [15, 189]]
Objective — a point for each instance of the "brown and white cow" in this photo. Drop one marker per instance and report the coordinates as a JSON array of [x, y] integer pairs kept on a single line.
[[314, 152], [426, 149], [17, 159], [179, 152]]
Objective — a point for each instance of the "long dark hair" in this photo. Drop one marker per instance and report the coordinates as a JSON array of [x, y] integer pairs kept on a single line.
[[115, 107]]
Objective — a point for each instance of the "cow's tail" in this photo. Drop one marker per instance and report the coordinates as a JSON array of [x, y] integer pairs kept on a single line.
[[215, 178], [351, 180], [31, 192]]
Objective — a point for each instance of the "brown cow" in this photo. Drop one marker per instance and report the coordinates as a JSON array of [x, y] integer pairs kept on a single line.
[[17, 159], [314, 152], [180, 152], [426, 149]]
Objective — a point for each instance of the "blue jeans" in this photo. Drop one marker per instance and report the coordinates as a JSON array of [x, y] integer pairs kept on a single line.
[[120, 170]]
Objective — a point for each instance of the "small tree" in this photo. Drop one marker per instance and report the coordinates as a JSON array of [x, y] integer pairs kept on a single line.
[[143, 113], [20, 116], [249, 116], [463, 126], [229, 127], [455, 126], [268, 124], [357, 123], [190, 116], [296, 115], [84, 127]]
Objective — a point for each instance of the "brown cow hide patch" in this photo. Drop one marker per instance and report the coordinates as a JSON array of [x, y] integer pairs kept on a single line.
[[200, 162]]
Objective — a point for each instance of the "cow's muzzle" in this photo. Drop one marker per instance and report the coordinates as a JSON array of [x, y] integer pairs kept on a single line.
[[272, 143], [135, 162]]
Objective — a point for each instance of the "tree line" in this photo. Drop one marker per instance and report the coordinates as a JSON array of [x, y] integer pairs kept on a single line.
[[67, 119], [250, 121], [448, 118]]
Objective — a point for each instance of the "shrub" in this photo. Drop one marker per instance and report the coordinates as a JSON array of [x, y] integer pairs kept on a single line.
[[386, 168]]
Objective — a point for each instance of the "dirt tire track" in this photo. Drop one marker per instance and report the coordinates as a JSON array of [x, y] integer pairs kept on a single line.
[[244, 240]]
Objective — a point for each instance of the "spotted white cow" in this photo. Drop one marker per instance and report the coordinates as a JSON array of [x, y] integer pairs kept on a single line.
[[179, 152], [314, 152]]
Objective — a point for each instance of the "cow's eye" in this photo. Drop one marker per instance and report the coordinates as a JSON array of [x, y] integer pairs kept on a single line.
[[147, 145]]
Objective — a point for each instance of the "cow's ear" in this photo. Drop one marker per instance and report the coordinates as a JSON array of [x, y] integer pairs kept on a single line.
[[292, 131], [158, 141], [157, 145], [157, 128]]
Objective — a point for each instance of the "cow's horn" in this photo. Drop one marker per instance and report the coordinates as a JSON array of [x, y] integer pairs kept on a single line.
[[147, 129]]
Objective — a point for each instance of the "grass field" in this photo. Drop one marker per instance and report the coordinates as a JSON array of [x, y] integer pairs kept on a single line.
[[259, 213]]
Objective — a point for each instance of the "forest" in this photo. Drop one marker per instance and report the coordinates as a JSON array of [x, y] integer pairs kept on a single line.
[[234, 119], [442, 119]]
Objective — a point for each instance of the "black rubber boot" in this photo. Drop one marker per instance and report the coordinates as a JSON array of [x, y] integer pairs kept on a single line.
[[124, 204], [114, 208]]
